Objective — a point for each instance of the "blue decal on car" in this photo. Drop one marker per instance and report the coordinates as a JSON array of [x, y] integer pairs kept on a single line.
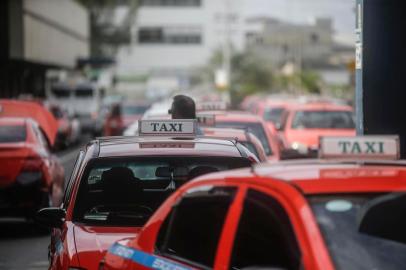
[[145, 259]]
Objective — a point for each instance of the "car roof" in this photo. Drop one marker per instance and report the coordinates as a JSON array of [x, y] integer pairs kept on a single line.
[[325, 176], [12, 121], [239, 134], [328, 106], [237, 117], [166, 146]]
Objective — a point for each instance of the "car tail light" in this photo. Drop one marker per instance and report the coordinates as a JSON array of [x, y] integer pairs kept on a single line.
[[31, 171], [32, 164]]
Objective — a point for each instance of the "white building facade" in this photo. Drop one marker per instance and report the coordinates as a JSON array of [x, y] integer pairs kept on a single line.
[[172, 36]]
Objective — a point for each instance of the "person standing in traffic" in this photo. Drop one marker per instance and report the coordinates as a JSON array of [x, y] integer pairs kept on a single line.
[[184, 107]]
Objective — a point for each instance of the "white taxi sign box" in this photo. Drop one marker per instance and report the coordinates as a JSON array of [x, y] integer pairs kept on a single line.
[[360, 147], [206, 120], [178, 127], [212, 106]]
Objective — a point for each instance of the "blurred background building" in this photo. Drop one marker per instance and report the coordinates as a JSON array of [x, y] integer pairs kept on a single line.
[[36, 36], [171, 38]]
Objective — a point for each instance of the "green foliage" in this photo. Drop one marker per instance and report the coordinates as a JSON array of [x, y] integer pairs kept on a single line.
[[249, 74]]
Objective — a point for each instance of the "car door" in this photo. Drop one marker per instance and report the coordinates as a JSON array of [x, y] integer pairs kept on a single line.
[[190, 235], [57, 247], [272, 234]]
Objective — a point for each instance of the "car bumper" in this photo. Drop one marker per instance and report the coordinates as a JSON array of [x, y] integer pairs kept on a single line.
[[19, 200]]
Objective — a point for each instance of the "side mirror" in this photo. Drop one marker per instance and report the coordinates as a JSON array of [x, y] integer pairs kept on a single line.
[[52, 217]]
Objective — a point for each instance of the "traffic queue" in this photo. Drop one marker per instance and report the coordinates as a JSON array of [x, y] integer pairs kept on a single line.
[[199, 186]]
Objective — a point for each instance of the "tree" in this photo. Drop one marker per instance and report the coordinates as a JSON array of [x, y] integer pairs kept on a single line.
[[249, 74]]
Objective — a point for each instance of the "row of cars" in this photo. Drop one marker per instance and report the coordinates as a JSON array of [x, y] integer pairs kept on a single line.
[[301, 121], [167, 198]]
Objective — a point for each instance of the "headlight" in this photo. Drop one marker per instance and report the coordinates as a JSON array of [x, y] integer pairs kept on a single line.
[[301, 148], [27, 178]]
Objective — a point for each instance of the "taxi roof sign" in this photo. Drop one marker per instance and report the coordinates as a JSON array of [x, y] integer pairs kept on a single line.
[[178, 127], [360, 147], [212, 106]]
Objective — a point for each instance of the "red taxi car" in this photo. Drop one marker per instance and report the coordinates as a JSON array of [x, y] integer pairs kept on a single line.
[[246, 138], [31, 177], [309, 214], [265, 132], [118, 183], [305, 123]]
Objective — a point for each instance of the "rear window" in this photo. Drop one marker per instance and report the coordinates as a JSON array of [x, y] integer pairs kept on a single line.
[[338, 217], [274, 115], [323, 119], [61, 92], [255, 128], [251, 147], [11, 134], [84, 92], [134, 110], [126, 192]]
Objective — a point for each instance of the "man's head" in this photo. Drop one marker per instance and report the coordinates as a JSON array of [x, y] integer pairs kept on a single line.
[[183, 107]]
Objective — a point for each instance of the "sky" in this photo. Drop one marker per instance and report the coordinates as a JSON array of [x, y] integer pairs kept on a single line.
[[304, 11]]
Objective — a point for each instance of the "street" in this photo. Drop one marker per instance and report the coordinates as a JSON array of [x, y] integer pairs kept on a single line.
[[21, 245]]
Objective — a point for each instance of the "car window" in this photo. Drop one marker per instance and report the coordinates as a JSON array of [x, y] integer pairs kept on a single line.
[[338, 218], [251, 147], [40, 136], [265, 237], [61, 92], [323, 119], [274, 115], [84, 92], [127, 191], [13, 133], [69, 187], [134, 109], [191, 232], [255, 128]]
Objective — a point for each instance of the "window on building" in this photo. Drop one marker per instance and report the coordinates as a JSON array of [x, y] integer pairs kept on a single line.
[[265, 236], [170, 3], [314, 38], [170, 35], [150, 35], [192, 231]]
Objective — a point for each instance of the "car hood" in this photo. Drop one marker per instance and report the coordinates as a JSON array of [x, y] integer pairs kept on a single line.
[[92, 242], [28, 109], [310, 138]]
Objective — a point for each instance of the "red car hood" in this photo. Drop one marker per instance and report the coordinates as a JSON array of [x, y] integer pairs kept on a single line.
[[93, 242], [27, 109], [310, 137]]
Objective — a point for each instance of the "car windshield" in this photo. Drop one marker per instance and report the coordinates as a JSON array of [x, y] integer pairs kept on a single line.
[[61, 92], [274, 115], [126, 192], [84, 92], [338, 218], [323, 120], [134, 109], [255, 128], [251, 147], [12, 134]]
